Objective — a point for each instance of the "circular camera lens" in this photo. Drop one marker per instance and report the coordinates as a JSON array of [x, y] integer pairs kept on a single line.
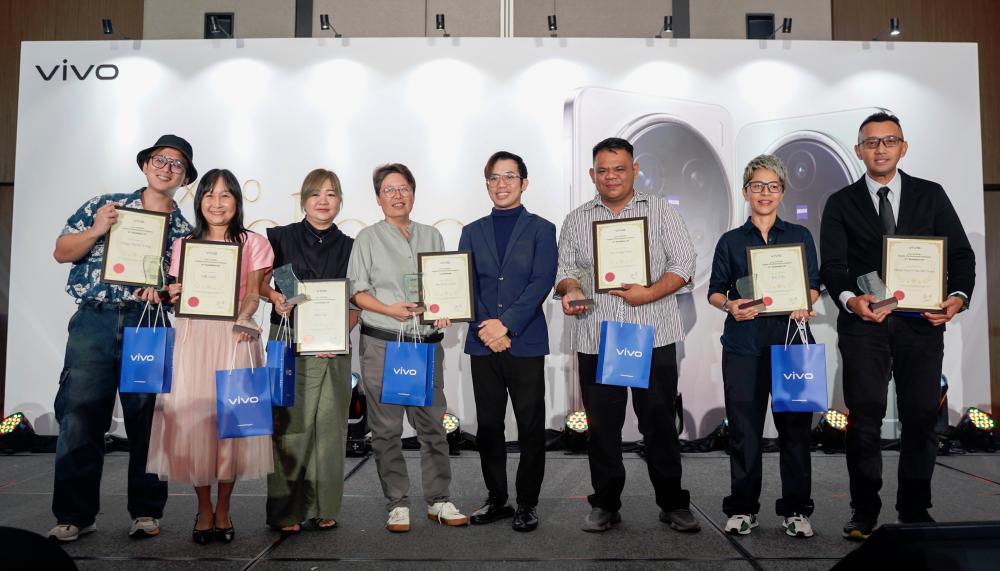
[[815, 171], [801, 169], [678, 164]]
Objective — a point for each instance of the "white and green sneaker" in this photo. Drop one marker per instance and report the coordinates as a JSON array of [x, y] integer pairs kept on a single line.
[[797, 526], [741, 524]]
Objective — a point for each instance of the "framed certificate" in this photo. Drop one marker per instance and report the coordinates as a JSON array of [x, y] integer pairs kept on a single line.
[[446, 286], [321, 322], [915, 269], [210, 274], [780, 278], [133, 248], [621, 253]]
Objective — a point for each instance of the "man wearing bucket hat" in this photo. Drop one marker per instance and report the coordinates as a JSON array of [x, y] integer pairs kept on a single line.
[[89, 379]]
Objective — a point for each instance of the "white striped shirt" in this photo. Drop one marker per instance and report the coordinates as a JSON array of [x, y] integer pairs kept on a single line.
[[671, 250]]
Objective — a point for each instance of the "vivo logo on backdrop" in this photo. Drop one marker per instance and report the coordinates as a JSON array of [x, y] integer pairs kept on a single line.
[[141, 358], [626, 352], [794, 376], [401, 371], [105, 71], [240, 399]]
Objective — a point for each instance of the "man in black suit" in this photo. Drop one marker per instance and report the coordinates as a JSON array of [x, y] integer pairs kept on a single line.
[[877, 346]]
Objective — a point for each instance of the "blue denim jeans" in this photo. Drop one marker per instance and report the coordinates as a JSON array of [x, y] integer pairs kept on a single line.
[[83, 407]]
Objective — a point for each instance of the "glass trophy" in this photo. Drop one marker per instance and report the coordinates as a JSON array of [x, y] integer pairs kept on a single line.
[[872, 284], [588, 296], [412, 291], [152, 268], [288, 284], [747, 288]]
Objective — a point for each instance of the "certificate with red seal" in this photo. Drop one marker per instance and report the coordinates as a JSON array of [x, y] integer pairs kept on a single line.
[[446, 286], [210, 279], [621, 253], [133, 248], [321, 322], [915, 269], [780, 278]]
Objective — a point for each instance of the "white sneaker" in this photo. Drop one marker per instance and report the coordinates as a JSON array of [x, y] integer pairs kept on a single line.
[[67, 532], [399, 520], [143, 527], [741, 524], [797, 526], [446, 513]]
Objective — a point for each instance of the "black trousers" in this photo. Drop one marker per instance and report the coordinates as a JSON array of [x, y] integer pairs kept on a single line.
[[747, 382], [493, 377], [654, 408], [911, 352]]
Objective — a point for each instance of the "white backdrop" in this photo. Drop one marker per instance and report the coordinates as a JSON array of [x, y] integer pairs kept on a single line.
[[271, 110]]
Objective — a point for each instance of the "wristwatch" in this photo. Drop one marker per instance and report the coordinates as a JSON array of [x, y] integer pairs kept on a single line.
[[725, 306]]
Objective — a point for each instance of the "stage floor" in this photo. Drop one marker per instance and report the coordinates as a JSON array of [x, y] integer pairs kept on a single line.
[[966, 488]]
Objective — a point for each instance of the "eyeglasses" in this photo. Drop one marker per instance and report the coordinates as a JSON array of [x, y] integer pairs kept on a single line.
[[174, 165], [757, 187], [507, 178], [398, 190], [872, 143]]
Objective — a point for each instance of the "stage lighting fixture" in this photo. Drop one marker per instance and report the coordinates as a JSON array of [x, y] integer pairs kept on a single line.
[[894, 29], [832, 431], [553, 27], [439, 25], [786, 27], [107, 26], [452, 429], [668, 26], [575, 433], [16, 433], [358, 443], [976, 429]]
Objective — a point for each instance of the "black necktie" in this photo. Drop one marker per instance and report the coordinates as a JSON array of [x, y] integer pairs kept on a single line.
[[885, 211]]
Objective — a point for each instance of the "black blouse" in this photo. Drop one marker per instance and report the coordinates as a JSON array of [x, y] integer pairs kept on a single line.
[[314, 254]]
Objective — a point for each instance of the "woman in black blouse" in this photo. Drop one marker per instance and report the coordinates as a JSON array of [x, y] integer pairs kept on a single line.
[[310, 437]]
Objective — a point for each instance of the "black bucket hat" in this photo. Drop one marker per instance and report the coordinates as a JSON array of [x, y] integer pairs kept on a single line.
[[174, 142]]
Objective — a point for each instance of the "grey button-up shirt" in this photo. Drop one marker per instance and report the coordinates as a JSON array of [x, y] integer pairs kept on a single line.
[[670, 250], [379, 260]]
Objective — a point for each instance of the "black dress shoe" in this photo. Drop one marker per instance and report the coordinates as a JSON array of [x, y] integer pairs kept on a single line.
[[225, 535], [491, 512], [525, 518], [915, 516], [202, 536]]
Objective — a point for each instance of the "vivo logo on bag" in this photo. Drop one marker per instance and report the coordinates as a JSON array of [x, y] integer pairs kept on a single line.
[[142, 358], [626, 352], [240, 399], [402, 371], [794, 376]]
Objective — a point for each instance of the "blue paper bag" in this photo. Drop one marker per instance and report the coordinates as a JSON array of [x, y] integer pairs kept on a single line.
[[281, 372], [798, 377], [147, 360], [243, 402], [408, 374], [625, 354]]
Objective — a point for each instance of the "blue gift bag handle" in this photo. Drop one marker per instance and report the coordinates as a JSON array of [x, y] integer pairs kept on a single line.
[[232, 362], [160, 317], [801, 332]]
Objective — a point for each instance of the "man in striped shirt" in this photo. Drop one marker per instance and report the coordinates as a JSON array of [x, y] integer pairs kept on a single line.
[[672, 264]]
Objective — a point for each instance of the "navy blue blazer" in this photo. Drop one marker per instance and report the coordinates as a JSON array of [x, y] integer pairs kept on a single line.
[[512, 289]]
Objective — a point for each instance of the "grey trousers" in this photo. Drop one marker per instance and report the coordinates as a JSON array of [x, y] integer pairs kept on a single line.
[[386, 424]]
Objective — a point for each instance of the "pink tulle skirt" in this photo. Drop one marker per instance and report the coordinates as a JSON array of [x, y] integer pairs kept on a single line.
[[184, 446]]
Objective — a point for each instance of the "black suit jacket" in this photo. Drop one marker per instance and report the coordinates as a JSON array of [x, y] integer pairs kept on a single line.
[[851, 239]]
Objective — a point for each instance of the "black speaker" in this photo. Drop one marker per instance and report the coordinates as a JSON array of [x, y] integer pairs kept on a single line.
[[937, 546]]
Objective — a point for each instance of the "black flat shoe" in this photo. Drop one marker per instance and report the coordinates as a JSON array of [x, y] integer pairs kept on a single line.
[[225, 535], [202, 536], [491, 512], [525, 519]]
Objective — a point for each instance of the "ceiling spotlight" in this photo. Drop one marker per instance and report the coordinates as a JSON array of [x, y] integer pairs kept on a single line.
[[553, 27], [786, 28], [894, 29], [324, 24], [668, 26], [439, 25], [107, 26]]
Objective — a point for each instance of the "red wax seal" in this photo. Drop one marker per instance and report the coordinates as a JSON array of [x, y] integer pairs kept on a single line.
[[434, 308], [118, 268], [768, 301], [899, 295], [609, 277], [308, 338], [192, 302]]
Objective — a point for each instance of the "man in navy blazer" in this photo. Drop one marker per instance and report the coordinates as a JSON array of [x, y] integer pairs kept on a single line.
[[878, 345], [515, 259]]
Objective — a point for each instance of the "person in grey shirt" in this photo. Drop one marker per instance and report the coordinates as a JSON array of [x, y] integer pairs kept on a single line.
[[382, 255], [671, 257]]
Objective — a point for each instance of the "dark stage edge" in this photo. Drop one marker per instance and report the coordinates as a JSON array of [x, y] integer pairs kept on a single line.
[[966, 488]]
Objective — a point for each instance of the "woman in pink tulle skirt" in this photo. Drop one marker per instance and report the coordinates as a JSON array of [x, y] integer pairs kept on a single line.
[[184, 446]]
